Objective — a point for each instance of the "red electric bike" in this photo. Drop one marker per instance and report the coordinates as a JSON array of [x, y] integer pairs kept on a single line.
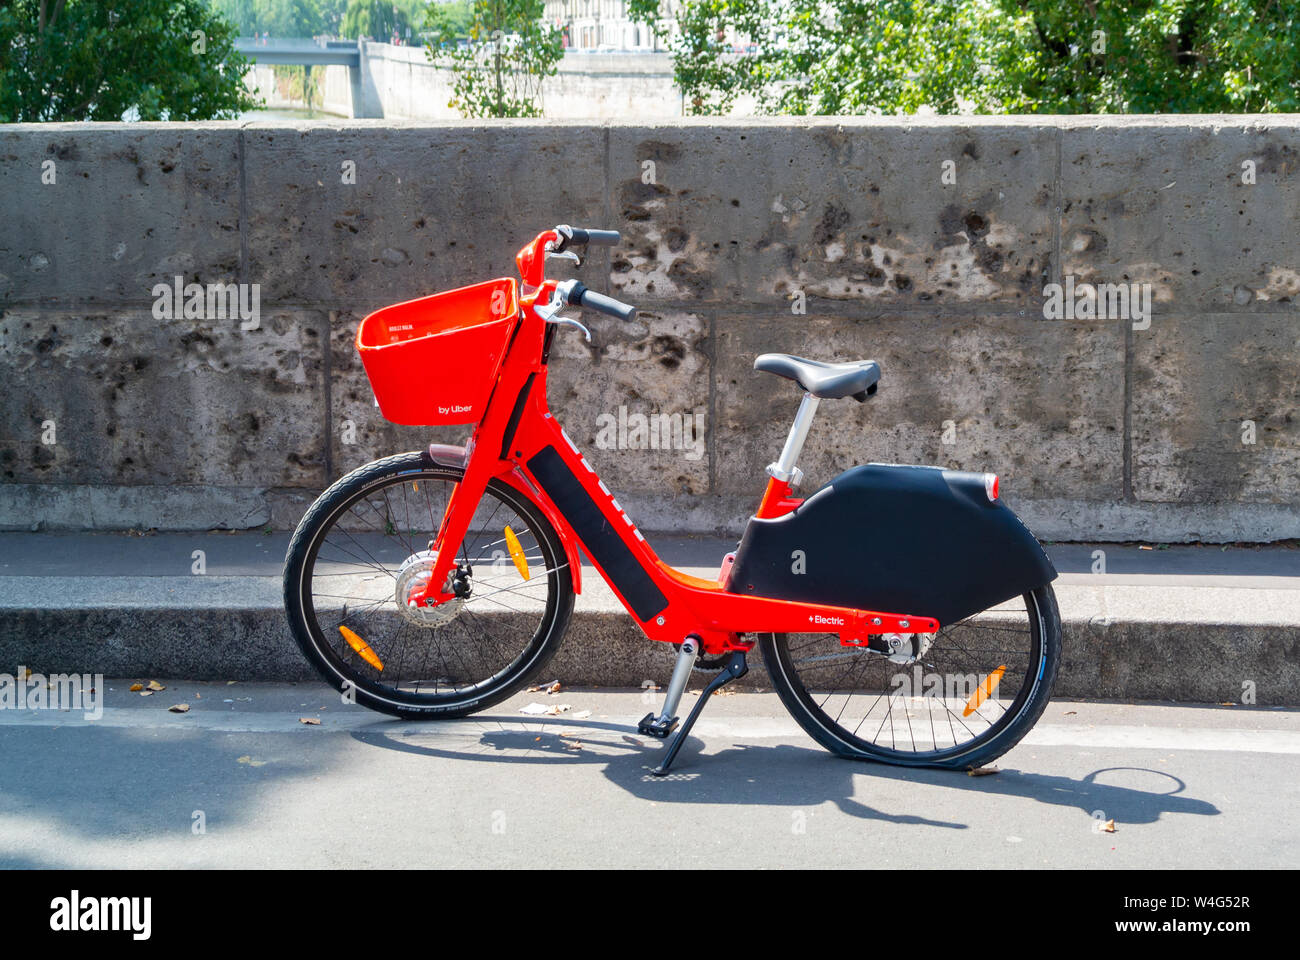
[[905, 614]]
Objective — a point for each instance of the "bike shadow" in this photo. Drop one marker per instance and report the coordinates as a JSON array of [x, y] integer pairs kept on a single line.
[[756, 774]]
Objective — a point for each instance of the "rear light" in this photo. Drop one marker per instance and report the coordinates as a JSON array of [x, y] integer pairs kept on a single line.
[[991, 486]]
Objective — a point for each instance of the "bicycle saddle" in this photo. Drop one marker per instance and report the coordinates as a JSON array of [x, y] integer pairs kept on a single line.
[[829, 381]]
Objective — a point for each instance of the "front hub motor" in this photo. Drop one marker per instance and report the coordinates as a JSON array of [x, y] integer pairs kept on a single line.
[[413, 578]]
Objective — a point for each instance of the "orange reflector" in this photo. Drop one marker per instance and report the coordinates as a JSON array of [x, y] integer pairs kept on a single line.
[[517, 554], [416, 485], [984, 690], [362, 648]]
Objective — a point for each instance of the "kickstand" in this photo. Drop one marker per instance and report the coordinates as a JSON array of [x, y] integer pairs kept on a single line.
[[734, 668]]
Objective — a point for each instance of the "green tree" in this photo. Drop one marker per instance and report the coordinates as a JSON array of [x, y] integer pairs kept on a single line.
[[499, 69], [380, 19], [282, 18], [448, 20], [99, 60], [988, 56]]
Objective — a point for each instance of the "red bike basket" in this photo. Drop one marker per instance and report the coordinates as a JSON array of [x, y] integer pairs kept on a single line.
[[434, 361]]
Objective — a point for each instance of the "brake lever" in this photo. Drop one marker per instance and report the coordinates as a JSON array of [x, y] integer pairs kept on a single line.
[[559, 300], [574, 323], [566, 255]]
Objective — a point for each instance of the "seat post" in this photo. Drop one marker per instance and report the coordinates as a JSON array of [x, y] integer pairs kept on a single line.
[[784, 469]]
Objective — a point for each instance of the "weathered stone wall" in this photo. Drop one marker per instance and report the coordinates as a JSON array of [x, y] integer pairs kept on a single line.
[[1099, 430]]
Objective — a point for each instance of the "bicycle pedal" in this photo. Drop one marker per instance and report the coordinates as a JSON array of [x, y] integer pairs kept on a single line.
[[652, 726]]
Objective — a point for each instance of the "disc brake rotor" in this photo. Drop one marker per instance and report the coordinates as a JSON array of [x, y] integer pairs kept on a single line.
[[412, 579]]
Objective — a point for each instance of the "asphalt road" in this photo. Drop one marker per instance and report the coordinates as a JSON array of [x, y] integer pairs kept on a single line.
[[240, 781]]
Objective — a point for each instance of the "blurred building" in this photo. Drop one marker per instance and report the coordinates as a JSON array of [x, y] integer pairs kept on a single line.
[[604, 26]]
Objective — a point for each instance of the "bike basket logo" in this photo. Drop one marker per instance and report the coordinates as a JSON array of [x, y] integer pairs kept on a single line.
[[75, 913], [56, 691]]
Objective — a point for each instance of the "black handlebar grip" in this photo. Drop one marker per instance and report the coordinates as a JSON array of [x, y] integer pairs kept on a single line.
[[581, 296], [608, 305], [598, 238]]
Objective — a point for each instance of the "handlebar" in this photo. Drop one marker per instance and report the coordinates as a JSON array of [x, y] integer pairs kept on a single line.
[[577, 236], [579, 296]]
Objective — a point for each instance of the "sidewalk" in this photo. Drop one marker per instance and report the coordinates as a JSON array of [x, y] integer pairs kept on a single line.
[[1184, 623], [1186, 787]]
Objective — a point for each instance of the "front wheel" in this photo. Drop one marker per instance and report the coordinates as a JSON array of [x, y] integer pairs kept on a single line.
[[365, 547], [959, 698]]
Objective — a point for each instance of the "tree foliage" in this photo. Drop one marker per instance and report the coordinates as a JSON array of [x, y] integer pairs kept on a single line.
[[282, 18], [988, 56], [100, 60], [497, 71], [380, 19], [449, 20]]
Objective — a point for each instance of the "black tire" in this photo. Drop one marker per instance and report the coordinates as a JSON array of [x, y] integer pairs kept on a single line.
[[1042, 657], [486, 640]]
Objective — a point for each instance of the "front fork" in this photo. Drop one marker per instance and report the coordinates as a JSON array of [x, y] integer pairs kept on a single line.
[[456, 518]]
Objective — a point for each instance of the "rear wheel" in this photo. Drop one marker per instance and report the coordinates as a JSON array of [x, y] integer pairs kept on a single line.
[[366, 544], [975, 689]]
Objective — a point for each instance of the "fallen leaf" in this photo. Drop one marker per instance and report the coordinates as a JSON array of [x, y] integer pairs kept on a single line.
[[310, 721], [981, 771], [155, 686], [231, 683], [632, 740], [571, 745], [1071, 713], [251, 762], [137, 687], [198, 696], [146, 693], [557, 709], [179, 708], [1107, 827]]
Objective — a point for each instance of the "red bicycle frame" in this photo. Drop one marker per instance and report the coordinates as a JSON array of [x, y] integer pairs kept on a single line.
[[518, 442]]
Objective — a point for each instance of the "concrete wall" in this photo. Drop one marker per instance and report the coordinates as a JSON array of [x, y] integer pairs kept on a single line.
[[402, 84], [1099, 431]]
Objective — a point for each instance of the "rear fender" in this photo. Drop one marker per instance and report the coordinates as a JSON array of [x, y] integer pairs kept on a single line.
[[911, 540]]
